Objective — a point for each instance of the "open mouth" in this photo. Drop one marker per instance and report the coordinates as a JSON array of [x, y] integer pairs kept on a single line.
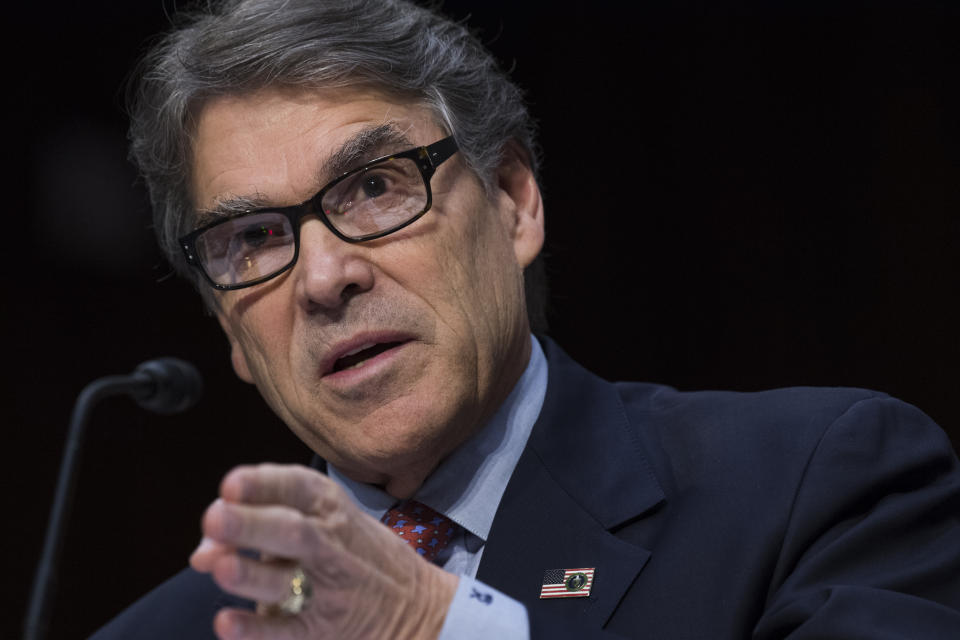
[[359, 356]]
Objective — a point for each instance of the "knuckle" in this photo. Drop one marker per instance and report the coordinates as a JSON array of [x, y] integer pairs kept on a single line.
[[298, 534], [338, 523], [328, 496], [229, 524], [216, 521], [236, 484], [331, 521], [229, 572], [268, 467]]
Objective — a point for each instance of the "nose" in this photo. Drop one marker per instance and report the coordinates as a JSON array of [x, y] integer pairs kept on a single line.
[[329, 271]]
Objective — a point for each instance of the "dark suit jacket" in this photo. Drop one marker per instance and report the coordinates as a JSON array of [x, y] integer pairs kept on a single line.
[[808, 513]]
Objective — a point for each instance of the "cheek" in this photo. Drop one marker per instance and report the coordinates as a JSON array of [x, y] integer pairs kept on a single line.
[[263, 338], [483, 292], [435, 268]]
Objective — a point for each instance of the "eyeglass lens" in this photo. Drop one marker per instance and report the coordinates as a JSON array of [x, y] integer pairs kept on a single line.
[[247, 248], [376, 199]]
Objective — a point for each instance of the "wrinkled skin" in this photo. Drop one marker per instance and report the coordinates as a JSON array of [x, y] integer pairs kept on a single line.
[[448, 287], [355, 565]]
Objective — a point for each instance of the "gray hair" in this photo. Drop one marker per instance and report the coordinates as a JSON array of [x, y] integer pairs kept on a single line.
[[240, 46]]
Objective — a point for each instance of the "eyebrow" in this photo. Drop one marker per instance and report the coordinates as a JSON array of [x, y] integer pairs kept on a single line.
[[228, 207], [362, 147]]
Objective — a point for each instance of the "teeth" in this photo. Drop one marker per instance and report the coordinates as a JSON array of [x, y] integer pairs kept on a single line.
[[358, 349]]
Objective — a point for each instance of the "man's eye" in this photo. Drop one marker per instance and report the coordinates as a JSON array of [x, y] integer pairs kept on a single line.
[[374, 186], [375, 191], [255, 235]]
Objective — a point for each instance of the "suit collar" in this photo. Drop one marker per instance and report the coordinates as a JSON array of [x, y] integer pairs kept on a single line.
[[584, 438]]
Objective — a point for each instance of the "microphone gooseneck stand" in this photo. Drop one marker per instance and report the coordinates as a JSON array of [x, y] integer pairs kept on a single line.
[[165, 385]]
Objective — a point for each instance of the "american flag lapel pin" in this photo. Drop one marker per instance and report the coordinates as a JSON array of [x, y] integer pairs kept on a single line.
[[566, 583]]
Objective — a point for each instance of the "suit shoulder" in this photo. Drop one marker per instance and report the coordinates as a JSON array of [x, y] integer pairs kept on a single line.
[[796, 399], [791, 411], [735, 437]]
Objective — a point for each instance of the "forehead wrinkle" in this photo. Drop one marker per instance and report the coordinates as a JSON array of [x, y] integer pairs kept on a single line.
[[365, 145]]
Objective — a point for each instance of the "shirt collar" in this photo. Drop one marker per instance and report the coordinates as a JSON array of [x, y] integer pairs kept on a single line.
[[468, 484]]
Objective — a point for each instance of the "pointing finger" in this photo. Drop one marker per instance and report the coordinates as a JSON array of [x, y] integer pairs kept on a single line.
[[302, 488], [207, 552], [253, 579], [273, 529]]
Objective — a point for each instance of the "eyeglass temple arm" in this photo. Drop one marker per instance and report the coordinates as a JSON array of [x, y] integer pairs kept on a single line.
[[441, 150]]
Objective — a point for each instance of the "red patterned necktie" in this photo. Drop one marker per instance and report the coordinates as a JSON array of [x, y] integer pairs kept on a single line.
[[424, 529]]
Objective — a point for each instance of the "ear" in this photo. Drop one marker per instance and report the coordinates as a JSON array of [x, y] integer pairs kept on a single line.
[[237, 357], [516, 180]]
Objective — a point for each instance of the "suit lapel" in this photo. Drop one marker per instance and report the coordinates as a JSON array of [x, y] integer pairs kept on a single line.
[[582, 473], [539, 527]]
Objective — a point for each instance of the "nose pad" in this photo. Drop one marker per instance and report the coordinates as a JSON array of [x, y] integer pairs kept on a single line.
[[329, 271]]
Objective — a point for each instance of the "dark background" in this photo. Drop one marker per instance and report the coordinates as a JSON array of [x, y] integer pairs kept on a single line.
[[737, 197]]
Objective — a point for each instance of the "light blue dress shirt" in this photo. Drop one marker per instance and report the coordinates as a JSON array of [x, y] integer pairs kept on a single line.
[[467, 488]]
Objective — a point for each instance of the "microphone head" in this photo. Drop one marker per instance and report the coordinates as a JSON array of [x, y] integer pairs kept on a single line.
[[175, 385]]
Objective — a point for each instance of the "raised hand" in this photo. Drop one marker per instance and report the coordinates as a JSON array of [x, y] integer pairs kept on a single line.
[[365, 582]]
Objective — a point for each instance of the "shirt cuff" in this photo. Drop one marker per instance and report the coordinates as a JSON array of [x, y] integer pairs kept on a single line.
[[479, 612]]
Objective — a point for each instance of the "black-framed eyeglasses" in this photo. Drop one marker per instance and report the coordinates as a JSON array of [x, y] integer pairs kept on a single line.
[[382, 196]]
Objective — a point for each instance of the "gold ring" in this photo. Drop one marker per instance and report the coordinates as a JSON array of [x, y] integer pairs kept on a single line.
[[300, 590]]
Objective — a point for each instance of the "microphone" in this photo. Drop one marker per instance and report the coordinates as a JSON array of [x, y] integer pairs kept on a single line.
[[168, 385], [163, 385]]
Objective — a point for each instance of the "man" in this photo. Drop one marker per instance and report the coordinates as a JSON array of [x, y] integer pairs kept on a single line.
[[352, 185]]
